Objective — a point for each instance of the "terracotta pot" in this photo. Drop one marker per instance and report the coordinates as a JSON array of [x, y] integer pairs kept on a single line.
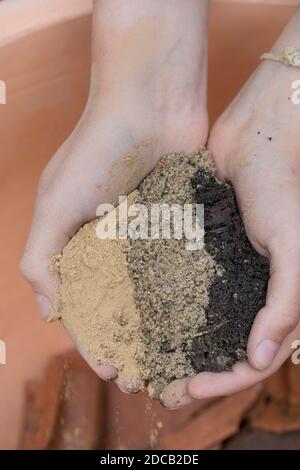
[[45, 61]]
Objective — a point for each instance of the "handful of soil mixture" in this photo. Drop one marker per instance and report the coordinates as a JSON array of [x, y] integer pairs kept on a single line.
[[150, 307]]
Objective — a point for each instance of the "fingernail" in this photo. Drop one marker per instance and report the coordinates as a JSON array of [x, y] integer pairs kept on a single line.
[[44, 306], [265, 353], [175, 403], [175, 395], [130, 387]]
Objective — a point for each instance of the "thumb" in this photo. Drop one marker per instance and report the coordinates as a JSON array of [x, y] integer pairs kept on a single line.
[[281, 314]]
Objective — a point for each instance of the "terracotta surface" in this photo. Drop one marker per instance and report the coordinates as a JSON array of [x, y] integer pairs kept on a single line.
[[70, 408], [260, 440], [65, 410], [32, 125], [34, 13], [47, 73], [278, 409], [214, 425], [40, 411], [136, 422]]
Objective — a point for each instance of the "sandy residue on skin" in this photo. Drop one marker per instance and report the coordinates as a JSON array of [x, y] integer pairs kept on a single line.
[[129, 167]]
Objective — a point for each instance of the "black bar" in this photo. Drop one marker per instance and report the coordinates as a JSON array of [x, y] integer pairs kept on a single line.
[[135, 459]]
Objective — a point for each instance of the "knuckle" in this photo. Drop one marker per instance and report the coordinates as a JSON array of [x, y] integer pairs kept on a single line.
[[23, 267], [289, 323], [28, 269], [45, 183], [292, 321]]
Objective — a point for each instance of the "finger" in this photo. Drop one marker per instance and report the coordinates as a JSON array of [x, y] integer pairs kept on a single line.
[[242, 376], [176, 395], [104, 371], [208, 384], [130, 386], [281, 314]]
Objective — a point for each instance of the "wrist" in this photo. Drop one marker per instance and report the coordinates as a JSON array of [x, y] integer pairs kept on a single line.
[[140, 47], [117, 16]]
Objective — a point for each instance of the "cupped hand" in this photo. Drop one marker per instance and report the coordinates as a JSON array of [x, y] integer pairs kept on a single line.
[[256, 146]]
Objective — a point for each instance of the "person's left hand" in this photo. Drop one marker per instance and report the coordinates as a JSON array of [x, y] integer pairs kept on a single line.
[[256, 146]]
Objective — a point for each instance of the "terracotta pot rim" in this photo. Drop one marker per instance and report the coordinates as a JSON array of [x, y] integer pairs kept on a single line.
[[19, 18]]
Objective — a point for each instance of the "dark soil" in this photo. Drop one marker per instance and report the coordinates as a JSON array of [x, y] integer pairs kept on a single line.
[[236, 296]]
